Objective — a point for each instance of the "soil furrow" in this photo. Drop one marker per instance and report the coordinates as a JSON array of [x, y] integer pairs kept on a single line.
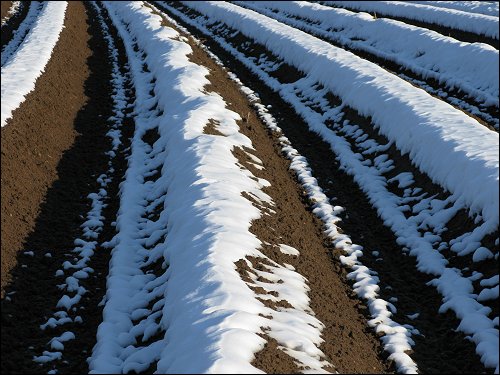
[[464, 36], [5, 9], [436, 331], [55, 160], [486, 116]]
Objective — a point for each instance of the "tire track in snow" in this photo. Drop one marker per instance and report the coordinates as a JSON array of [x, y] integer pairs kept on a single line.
[[429, 324]]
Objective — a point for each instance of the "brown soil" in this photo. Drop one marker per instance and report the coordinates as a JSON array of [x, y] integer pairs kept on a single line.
[[349, 343], [4, 8], [63, 121], [40, 130]]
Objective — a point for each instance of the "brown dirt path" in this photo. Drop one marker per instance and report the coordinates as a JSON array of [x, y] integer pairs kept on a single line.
[[38, 133], [74, 102], [4, 8]]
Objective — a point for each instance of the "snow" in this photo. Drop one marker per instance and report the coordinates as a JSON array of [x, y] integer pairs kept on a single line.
[[481, 254], [471, 22], [19, 74], [285, 249], [489, 8], [22, 30], [453, 149], [322, 208], [470, 67], [432, 212], [208, 314]]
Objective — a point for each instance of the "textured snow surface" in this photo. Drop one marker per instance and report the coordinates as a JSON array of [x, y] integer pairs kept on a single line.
[[453, 149], [470, 67], [489, 8], [207, 313], [471, 22], [28, 62], [22, 30], [455, 288]]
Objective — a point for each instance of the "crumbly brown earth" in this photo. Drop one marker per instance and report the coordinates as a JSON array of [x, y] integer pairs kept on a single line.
[[73, 102], [4, 8], [40, 130]]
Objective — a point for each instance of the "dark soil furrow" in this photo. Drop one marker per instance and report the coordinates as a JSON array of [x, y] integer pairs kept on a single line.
[[398, 276], [32, 292]]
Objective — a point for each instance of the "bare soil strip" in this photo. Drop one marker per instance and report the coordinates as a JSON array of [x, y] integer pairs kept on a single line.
[[397, 272], [464, 36], [4, 9], [487, 116], [53, 150]]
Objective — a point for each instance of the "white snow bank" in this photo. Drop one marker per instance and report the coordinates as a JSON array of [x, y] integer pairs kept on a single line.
[[209, 316], [28, 62], [396, 338], [470, 67], [455, 288], [489, 8], [455, 19], [453, 149], [22, 30]]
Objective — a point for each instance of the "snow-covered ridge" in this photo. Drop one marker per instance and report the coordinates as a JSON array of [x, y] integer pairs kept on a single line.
[[489, 8], [471, 22], [28, 62], [397, 338], [456, 289], [203, 309], [471, 67], [454, 150], [21, 32]]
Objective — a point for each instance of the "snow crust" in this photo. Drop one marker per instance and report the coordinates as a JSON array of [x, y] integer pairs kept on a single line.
[[205, 316], [19, 74], [22, 30], [471, 22], [453, 149], [489, 8], [470, 67], [429, 212]]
